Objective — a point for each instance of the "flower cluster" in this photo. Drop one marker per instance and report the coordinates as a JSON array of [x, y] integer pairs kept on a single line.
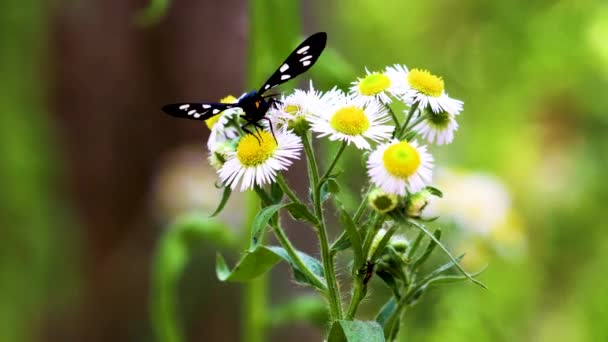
[[363, 117]]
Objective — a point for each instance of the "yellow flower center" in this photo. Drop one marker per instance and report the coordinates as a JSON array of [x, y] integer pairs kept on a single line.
[[292, 109], [425, 82], [373, 84], [214, 119], [252, 152], [350, 121], [401, 160]]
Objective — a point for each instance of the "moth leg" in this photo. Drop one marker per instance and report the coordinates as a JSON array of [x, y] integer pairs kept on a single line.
[[271, 129]]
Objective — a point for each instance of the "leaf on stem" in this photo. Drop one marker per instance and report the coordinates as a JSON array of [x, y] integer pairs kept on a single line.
[[310, 262], [298, 211], [445, 250], [356, 331], [225, 197]]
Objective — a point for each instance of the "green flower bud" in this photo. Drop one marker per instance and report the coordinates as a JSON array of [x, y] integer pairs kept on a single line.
[[381, 201], [417, 202]]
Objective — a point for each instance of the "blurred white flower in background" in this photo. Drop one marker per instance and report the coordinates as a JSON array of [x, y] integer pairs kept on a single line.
[[479, 204]]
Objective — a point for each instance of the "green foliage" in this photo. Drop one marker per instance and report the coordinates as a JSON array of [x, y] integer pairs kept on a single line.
[[172, 256], [355, 331]]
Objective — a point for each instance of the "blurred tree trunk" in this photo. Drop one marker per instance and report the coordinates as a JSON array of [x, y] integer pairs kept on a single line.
[[111, 79]]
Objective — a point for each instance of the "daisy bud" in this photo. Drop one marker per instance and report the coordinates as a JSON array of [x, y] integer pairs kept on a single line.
[[399, 243], [417, 202], [381, 201]]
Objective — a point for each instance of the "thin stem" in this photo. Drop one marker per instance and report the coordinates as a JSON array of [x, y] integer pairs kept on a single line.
[[414, 246], [414, 124], [410, 114], [394, 117], [369, 237], [334, 162], [256, 302], [359, 292], [332, 284], [287, 190], [285, 243], [362, 206]]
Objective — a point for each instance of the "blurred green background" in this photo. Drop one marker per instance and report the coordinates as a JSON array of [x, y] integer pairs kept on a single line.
[[91, 170]]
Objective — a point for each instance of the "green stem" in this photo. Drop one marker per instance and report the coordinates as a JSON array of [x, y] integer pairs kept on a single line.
[[255, 294], [359, 292], [414, 124], [334, 162], [369, 236], [287, 190], [410, 114], [394, 117], [328, 266], [362, 206], [415, 245], [285, 243]]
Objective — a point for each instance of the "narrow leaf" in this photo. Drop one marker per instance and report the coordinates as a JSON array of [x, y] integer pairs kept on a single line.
[[251, 265], [353, 235], [429, 249], [310, 262], [260, 222], [225, 197], [445, 250]]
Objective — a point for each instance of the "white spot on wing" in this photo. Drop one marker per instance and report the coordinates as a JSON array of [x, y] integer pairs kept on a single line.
[[184, 107], [215, 111], [191, 112], [284, 68], [267, 86], [306, 63], [303, 49], [197, 115], [206, 106], [305, 58], [285, 77]]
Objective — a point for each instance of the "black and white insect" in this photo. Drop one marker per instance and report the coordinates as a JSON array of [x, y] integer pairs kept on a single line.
[[255, 104]]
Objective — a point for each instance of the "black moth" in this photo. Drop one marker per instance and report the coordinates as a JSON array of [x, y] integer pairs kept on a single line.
[[255, 104]]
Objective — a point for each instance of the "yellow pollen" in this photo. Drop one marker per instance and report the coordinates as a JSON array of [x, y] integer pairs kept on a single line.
[[425, 82], [350, 121], [401, 160], [251, 151], [214, 119], [373, 84], [292, 109]]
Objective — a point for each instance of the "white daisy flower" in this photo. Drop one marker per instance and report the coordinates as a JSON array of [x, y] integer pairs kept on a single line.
[[351, 119], [257, 159], [218, 124], [438, 128], [300, 103], [427, 90], [398, 165], [378, 86]]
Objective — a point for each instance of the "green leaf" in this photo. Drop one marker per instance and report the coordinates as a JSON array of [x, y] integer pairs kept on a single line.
[[329, 187], [170, 259], [445, 250], [260, 260], [251, 265], [341, 243], [276, 193], [386, 311], [353, 235], [225, 197], [300, 212], [308, 308], [260, 222], [356, 331], [310, 262], [429, 249], [434, 191]]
